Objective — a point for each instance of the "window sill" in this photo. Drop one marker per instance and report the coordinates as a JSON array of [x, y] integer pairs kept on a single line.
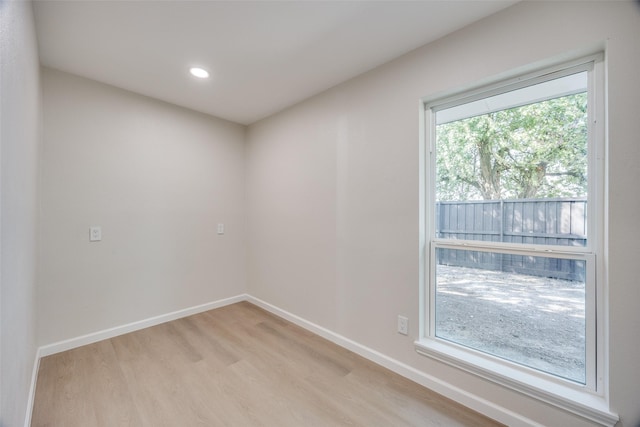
[[559, 393]]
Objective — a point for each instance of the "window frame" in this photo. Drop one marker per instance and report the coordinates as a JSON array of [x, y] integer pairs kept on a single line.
[[589, 400]]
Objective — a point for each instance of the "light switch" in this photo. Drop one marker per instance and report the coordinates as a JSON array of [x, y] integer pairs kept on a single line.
[[95, 234], [220, 228]]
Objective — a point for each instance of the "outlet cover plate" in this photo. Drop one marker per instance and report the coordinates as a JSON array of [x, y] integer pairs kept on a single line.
[[95, 234], [403, 325]]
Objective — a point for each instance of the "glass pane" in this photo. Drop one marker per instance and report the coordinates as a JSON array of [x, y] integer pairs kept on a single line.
[[526, 309], [513, 167]]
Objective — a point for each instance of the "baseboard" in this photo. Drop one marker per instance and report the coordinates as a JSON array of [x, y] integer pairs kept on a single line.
[[32, 389], [72, 343], [134, 326], [439, 386]]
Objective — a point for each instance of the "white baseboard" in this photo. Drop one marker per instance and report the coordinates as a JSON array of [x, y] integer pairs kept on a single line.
[[439, 386], [32, 389], [134, 326], [72, 343]]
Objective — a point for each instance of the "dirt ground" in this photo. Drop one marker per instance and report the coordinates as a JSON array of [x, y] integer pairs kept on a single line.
[[536, 321]]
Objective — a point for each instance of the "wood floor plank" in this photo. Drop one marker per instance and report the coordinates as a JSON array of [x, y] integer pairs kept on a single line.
[[234, 366]]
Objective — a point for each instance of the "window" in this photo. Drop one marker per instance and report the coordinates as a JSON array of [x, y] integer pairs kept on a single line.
[[513, 233]]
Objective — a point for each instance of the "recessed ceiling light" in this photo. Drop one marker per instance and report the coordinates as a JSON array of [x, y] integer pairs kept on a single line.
[[199, 72]]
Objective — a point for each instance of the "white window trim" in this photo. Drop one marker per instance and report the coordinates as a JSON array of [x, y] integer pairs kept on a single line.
[[589, 401]]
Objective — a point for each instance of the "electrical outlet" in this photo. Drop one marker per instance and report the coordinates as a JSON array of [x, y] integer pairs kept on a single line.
[[403, 325], [95, 234]]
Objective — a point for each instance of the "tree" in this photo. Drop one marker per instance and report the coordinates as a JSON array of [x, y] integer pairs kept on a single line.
[[533, 151]]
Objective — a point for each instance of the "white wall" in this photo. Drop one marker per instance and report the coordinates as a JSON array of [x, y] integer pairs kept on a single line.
[[332, 189], [19, 153], [157, 178]]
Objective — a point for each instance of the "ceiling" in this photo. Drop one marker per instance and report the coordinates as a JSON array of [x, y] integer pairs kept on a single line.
[[263, 55]]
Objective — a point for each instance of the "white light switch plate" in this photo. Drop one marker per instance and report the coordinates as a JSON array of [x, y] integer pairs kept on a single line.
[[95, 234], [221, 228]]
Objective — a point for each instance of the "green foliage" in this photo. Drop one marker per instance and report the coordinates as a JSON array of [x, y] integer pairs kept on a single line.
[[533, 151]]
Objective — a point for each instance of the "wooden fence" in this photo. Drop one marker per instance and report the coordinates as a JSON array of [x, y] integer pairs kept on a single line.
[[560, 222]]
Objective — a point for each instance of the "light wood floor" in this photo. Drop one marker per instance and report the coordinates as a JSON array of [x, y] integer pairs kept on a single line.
[[233, 366]]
